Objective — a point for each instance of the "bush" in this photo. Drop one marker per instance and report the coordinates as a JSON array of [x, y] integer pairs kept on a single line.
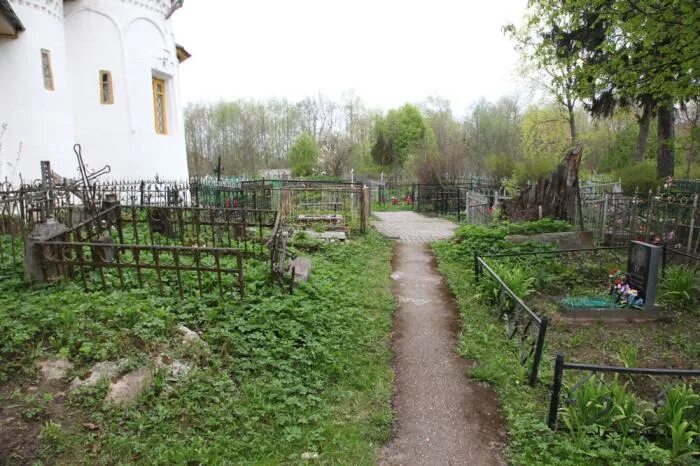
[[640, 176]]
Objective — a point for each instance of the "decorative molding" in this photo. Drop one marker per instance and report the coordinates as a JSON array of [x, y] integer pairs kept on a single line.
[[51, 7], [162, 7], [55, 7]]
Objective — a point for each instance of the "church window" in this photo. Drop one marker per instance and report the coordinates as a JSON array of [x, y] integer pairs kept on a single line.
[[46, 70], [106, 92], [159, 106]]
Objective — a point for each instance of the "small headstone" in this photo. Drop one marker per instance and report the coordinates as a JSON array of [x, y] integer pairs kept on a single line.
[[302, 269], [643, 268], [32, 254], [103, 253], [333, 236], [160, 221]]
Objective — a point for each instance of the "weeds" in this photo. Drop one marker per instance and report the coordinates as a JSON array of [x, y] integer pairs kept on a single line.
[[283, 374], [605, 423], [678, 287]]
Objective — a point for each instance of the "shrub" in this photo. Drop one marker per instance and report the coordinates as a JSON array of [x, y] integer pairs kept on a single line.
[[640, 176]]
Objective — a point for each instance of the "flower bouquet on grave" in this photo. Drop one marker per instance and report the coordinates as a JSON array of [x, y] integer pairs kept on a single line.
[[621, 292]]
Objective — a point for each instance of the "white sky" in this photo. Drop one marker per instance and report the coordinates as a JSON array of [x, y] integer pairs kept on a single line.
[[387, 51]]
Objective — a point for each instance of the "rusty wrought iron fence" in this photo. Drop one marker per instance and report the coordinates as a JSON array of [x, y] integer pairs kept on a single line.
[[98, 251]]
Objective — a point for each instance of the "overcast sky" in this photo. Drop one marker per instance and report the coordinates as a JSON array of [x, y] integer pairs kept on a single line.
[[387, 51]]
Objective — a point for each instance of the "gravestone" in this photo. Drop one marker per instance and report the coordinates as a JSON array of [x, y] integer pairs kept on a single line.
[[51, 229], [643, 268]]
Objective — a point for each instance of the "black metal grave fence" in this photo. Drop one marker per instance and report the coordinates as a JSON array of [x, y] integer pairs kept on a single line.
[[522, 323], [568, 394]]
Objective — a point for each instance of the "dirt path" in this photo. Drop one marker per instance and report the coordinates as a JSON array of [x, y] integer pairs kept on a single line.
[[441, 416]]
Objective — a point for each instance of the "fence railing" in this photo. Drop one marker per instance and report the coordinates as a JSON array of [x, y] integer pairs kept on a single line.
[[615, 218], [560, 366], [101, 245], [521, 321], [71, 258]]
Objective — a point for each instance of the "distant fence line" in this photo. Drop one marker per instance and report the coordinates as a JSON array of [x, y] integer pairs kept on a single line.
[[615, 218]]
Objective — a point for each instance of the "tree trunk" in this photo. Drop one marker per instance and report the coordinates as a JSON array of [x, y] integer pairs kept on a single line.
[[643, 138], [555, 196], [572, 122], [665, 157]]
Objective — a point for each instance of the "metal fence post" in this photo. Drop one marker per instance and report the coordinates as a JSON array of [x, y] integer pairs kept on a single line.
[[689, 248], [556, 391], [538, 351], [477, 269], [603, 227], [459, 206], [664, 257]]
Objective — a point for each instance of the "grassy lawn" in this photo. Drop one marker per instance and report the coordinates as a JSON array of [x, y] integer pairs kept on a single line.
[[280, 375], [672, 342]]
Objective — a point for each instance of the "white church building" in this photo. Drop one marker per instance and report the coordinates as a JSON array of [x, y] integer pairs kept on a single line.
[[102, 73]]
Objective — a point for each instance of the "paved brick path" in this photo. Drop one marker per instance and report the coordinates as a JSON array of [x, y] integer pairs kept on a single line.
[[410, 227]]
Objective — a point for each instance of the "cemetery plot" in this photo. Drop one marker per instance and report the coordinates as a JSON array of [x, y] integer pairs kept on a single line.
[[616, 218], [620, 379], [178, 247]]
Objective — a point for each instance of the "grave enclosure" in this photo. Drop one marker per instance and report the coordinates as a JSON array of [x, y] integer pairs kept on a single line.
[[177, 236]]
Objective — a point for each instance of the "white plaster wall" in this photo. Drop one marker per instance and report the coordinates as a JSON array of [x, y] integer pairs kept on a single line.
[[101, 129], [134, 41], [37, 119]]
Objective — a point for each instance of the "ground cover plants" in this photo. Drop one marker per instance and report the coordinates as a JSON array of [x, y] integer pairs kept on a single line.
[[609, 420], [282, 378]]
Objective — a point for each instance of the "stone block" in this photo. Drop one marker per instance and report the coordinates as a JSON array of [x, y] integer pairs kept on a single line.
[[302, 269], [566, 240], [32, 253]]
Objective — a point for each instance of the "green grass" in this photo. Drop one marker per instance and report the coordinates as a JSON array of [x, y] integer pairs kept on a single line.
[[483, 340], [283, 374]]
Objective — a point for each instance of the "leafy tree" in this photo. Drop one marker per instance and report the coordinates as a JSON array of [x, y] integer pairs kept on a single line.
[[545, 141], [641, 51], [450, 137], [494, 128], [303, 155], [549, 61], [398, 137]]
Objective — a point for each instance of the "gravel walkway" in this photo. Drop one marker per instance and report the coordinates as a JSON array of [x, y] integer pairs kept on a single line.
[[441, 416]]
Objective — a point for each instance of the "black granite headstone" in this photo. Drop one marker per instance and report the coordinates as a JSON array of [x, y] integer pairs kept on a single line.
[[643, 268]]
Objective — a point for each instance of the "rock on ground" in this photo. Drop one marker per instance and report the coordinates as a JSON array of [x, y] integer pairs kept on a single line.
[[126, 390], [104, 369], [190, 337], [54, 368]]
